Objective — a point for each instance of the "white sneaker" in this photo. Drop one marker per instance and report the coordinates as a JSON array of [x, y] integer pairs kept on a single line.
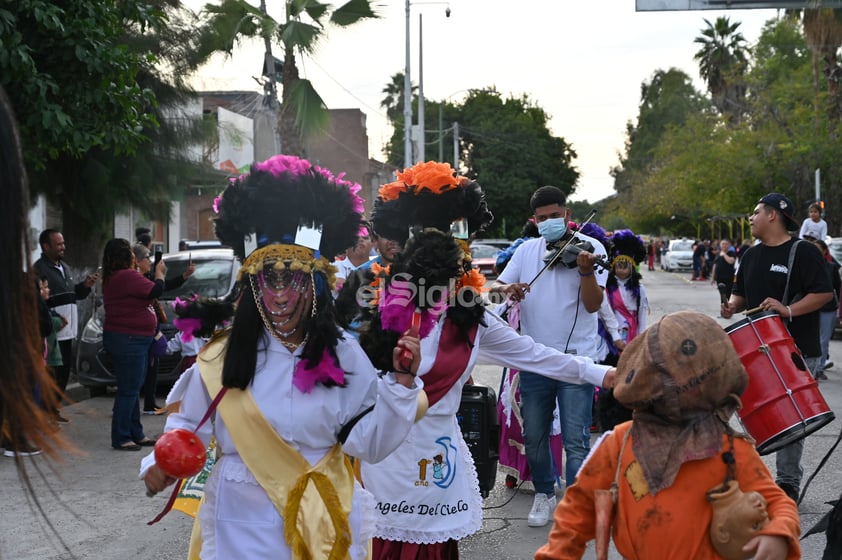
[[25, 451], [542, 508]]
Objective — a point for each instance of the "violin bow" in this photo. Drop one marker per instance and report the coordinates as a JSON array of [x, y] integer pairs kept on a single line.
[[554, 258]]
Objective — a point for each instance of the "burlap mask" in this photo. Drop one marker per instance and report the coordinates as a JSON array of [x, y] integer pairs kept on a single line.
[[682, 378]]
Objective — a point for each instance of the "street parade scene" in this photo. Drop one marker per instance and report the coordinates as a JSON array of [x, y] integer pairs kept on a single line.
[[250, 320]]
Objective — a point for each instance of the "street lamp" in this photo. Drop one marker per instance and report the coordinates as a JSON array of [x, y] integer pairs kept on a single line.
[[407, 90]]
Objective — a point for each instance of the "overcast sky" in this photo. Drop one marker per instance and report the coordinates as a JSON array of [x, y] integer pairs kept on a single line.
[[583, 62]]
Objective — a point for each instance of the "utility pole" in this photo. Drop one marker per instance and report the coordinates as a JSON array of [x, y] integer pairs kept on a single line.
[[456, 146]]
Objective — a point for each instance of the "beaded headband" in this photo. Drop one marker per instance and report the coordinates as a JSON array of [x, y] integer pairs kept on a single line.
[[288, 257]]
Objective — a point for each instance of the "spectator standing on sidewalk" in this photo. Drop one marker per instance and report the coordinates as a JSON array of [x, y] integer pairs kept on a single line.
[[787, 276], [700, 251], [828, 313], [128, 330], [722, 274], [144, 264], [813, 227], [64, 294]]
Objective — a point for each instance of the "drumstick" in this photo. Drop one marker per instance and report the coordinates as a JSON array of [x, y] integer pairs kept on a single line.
[[752, 311]]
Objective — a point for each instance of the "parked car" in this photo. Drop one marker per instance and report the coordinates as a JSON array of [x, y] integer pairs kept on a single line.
[[215, 276], [679, 255], [484, 257], [198, 245], [500, 244]]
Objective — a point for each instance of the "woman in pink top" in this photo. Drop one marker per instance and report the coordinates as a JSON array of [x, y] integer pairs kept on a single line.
[[130, 324]]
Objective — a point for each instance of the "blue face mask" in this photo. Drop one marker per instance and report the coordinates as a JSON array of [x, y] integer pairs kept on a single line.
[[552, 229]]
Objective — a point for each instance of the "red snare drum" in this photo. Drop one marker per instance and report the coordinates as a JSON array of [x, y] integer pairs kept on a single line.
[[782, 402]]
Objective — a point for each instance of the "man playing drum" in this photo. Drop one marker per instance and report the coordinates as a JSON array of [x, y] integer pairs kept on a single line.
[[788, 277]]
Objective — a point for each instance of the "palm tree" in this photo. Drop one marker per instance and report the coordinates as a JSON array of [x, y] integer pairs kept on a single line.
[[723, 61], [823, 30], [393, 102], [304, 25]]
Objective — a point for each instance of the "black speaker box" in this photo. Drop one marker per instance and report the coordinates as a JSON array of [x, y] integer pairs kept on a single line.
[[480, 427]]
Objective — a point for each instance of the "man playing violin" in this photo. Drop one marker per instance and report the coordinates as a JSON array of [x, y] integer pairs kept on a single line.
[[558, 310], [791, 280]]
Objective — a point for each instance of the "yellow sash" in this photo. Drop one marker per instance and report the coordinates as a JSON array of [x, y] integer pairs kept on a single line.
[[314, 501]]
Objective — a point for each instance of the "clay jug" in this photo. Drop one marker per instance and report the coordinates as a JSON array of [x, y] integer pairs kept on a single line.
[[737, 516]]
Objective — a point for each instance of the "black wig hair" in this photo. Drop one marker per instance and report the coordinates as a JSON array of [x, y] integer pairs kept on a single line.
[[625, 242], [430, 258], [392, 219], [273, 201]]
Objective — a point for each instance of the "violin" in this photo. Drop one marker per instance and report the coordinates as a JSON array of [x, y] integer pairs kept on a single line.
[[565, 252]]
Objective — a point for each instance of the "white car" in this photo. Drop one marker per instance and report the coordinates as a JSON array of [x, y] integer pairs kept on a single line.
[[679, 255]]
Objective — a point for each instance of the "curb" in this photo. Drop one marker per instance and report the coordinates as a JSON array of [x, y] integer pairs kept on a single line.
[[76, 392]]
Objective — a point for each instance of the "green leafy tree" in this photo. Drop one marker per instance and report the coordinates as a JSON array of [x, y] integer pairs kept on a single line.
[[823, 31], [723, 61], [81, 104], [667, 100], [99, 88], [393, 104], [303, 27], [507, 146], [71, 78], [703, 172]]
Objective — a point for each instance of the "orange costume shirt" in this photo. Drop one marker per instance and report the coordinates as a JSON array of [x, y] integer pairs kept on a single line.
[[675, 522]]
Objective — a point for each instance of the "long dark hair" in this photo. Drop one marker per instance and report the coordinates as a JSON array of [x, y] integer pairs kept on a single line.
[[23, 420], [117, 255], [430, 258]]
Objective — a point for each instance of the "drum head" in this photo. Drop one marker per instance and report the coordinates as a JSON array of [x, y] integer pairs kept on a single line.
[[754, 317]]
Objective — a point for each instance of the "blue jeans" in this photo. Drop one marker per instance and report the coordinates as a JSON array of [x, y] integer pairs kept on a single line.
[[538, 398], [827, 321], [788, 459], [130, 355]]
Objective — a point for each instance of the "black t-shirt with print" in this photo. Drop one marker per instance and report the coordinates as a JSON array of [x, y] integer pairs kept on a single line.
[[762, 274]]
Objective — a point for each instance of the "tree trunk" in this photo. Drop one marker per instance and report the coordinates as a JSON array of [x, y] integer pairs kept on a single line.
[[83, 213], [291, 141]]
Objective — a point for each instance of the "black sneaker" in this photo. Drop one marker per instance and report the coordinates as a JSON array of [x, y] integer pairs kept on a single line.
[[828, 365], [790, 490], [821, 376]]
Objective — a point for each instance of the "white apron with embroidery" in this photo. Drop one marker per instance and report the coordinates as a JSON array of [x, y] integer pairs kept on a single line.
[[427, 491], [431, 485]]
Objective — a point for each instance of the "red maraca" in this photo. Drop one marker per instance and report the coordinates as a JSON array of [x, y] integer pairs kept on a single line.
[[405, 359], [180, 453]]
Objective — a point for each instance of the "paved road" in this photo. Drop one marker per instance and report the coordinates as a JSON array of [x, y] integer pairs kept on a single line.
[[98, 507]]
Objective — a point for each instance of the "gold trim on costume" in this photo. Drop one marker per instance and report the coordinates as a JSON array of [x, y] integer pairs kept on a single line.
[[288, 257], [314, 500], [623, 258]]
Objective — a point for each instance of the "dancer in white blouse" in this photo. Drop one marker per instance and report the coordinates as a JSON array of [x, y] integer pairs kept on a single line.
[[299, 391], [427, 492]]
